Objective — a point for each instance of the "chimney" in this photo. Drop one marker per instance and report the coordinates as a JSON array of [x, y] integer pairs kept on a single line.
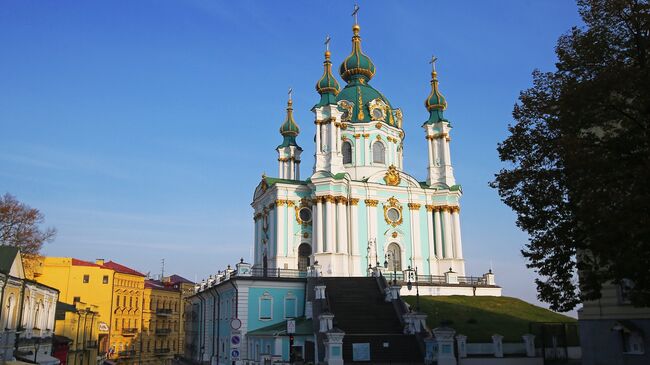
[[99, 262]]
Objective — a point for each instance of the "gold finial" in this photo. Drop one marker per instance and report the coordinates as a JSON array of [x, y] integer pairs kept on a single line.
[[433, 66]]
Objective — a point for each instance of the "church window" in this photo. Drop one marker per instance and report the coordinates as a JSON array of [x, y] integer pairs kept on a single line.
[[304, 251], [347, 152], [393, 214], [266, 307], [305, 214], [394, 257], [290, 306], [378, 153]]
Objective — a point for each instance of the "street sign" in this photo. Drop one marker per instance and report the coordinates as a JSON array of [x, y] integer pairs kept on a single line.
[[291, 326], [235, 324], [234, 354], [235, 340]]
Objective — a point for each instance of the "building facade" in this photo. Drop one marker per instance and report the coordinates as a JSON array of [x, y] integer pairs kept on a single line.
[[163, 330], [27, 312], [612, 330]]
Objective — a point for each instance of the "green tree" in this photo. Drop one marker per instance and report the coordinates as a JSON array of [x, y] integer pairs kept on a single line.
[[20, 226], [578, 159]]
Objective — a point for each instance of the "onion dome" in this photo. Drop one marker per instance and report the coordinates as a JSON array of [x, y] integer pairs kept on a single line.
[[435, 103], [357, 64], [289, 129], [327, 86]]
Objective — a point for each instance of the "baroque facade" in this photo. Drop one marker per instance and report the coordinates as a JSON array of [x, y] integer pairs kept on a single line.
[[359, 208]]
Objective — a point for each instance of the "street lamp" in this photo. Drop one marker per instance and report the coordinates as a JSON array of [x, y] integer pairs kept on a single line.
[[391, 254], [409, 286]]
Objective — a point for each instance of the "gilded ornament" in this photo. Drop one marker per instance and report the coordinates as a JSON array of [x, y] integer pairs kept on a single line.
[[344, 126], [354, 201], [377, 109], [378, 137], [430, 207], [356, 136], [330, 199], [366, 135], [347, 107], [378, 125], [392, 177], [398, 117], [360, 116], [414, 206], [305, 235], [290, 203], [393, 205], [394, 235], [300, 221], [371, 202]]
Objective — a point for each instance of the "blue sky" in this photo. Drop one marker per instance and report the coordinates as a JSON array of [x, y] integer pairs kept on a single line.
[[140, 128]]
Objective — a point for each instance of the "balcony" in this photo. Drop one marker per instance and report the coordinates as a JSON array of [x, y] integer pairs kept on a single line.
[[165, 312], [129, 331], [163, 331], [160, 352], [126, 353], [91, 344]]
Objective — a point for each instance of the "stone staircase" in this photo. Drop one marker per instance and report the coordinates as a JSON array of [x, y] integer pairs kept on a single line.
[[362, 313]]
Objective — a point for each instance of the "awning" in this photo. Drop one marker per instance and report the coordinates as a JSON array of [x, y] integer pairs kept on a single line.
[[42, 359], [626, 326]]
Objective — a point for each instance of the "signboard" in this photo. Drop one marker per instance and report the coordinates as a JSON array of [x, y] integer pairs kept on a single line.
[[103, 326], [235, 324], [361, 352], [235, 340], [234, 354], [291, 326]]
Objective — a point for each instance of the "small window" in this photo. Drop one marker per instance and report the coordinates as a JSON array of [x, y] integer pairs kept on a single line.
[[378, 153], [117, 301], [633, 343], [346, 149], [266, 307], [76, 299], [105, 279], [86, 279], [290, 307], [305, 214]]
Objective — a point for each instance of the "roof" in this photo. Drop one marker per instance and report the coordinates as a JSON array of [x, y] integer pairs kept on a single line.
[[77, 262], [7, 257], [303, 327], [158, 285], [121, 268], [177, 279]]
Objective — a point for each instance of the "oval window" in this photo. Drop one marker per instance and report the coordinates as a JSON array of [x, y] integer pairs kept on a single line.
[[393, 214], [305, 214]]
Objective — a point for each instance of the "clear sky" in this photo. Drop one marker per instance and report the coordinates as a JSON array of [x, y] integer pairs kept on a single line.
[[140, 128]]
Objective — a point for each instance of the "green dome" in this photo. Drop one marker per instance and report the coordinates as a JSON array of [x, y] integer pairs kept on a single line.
[[357, 63], [289, 129], [327, 86], [361, 94], [435, 103]]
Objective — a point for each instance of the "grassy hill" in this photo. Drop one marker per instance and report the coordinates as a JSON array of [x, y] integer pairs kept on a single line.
[[480, 317]]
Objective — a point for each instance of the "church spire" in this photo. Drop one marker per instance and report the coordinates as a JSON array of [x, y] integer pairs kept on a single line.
[[289, 129], [357, 65], [435, 103], [327, 86]]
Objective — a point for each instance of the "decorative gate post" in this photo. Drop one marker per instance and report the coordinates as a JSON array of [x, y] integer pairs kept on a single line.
[[445, 339]]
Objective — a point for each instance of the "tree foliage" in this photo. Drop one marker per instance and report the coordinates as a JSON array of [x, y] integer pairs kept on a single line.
[[20, 226], [578, 173]]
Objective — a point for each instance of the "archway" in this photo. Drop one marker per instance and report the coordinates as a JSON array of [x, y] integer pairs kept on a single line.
[[304, 251]]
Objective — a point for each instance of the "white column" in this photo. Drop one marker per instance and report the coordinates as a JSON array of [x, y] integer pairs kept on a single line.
[[447, 230], [354, 236], [458, 250], [415, 236], [280, 168], [297, 170], [258, 241], [291, 237], [329, 225], [431, 242], [371, 208], [272, 244], [437, 217], [317, 228], [281, 211], [342, 225], [318, 141]]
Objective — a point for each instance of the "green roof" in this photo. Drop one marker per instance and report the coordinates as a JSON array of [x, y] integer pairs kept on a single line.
[[327, 86], [274, 180], [303, 327], [480, 317], [7, 257]]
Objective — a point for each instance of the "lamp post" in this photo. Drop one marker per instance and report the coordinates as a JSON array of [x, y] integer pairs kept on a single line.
[[409, 286], [391, 254]]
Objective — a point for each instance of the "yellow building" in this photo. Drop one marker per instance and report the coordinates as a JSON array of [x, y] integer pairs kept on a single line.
[[88, 288], [163, 332], [107, 299], [27, 311]]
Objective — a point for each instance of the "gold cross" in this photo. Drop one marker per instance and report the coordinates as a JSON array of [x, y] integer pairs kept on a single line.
[[290, 93], [433, 63], [327, 43], [354, 13]]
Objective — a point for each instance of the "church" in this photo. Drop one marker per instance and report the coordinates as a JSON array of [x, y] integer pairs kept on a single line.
[[334, 251]]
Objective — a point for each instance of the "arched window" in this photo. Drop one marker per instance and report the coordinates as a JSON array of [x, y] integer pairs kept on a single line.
[[304, 251], [346, 149], [11, 307], [378, 153], [394, 257]]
